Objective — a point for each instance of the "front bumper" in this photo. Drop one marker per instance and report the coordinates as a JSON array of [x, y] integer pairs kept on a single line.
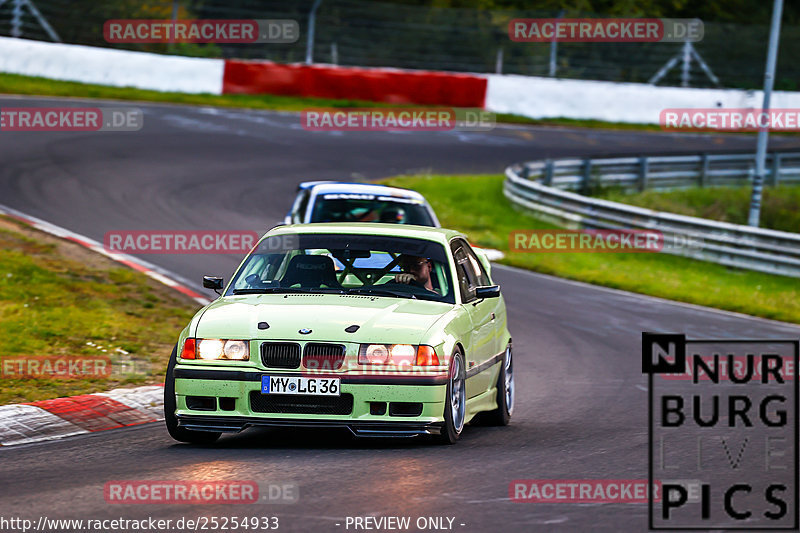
[[228, 402], [358, 428]]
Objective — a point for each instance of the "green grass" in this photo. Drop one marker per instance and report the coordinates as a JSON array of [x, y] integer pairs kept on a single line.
[[29, 85], [780, 206], [56, 297], [476, 206]]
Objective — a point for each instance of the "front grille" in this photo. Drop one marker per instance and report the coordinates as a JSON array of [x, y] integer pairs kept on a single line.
[[320, 356], [305, 405], [280, 354]]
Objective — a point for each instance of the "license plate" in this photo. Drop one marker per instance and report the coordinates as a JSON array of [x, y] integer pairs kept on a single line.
[[298, 385]]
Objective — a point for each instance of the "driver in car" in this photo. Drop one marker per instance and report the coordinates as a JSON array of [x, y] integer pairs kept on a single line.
[[416, 271]]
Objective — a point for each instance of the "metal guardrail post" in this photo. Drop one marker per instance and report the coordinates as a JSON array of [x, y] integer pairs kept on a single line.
[[751, 172], [554, 50], [312, 21], [776, 169], [643, 168], [586, 179], [548, 172], [704, 171], [173, 17], [763, 133], [16, 19]]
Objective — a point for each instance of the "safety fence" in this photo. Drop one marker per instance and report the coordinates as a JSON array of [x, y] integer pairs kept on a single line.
[[382, 34]]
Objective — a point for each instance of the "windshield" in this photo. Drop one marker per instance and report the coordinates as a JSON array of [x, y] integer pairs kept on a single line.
[[394, 267], [340, 207]]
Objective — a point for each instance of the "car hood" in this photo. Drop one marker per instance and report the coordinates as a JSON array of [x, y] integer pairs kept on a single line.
[[380, 319]]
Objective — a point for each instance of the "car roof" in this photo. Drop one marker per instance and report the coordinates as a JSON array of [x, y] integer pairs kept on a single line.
[[327, 187], [371, 228]]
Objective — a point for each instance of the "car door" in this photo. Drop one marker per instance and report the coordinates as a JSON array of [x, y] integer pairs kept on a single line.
[[495, 305], [481, 348]]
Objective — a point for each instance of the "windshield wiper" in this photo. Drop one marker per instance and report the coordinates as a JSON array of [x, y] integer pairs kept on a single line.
[[381, 292], [278, 290], [250, 290]]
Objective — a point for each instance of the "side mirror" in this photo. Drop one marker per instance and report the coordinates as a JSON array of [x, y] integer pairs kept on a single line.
[[488, 291], [212, 282]]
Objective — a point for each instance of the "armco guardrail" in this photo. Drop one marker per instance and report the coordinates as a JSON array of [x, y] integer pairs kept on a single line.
[[533, 187], [662, 172]]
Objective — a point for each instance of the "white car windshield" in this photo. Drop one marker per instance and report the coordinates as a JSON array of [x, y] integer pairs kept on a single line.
[[396, 267], [341, 207]]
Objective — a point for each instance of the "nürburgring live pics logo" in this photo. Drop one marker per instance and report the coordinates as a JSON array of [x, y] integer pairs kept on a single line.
[[724, 414]]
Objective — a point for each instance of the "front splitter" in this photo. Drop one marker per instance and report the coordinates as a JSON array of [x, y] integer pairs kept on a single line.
[[235, 424]]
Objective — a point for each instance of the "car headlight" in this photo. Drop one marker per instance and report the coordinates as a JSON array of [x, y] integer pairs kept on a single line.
[[374, 354], [209, 349], [397, 355], [236, 350], [216, 349]]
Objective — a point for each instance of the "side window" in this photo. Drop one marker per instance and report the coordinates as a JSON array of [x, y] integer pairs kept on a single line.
[[257, 266], [298, 216], [259, 269], [477, 267], [464, 273]]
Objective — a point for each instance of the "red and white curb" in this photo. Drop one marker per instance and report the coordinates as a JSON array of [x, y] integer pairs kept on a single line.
[[148, 269], [77, 415]]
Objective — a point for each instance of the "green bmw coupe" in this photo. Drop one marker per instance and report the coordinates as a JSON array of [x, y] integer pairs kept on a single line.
[[383, 329]]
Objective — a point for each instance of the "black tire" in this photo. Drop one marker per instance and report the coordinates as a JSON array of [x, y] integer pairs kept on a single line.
[[178, 433], [451, 430], [505, 394]]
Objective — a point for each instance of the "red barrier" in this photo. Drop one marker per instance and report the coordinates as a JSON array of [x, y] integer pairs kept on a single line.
[[349, 83]]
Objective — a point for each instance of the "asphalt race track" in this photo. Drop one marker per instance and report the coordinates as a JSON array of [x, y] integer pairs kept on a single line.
[[581, 407]]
